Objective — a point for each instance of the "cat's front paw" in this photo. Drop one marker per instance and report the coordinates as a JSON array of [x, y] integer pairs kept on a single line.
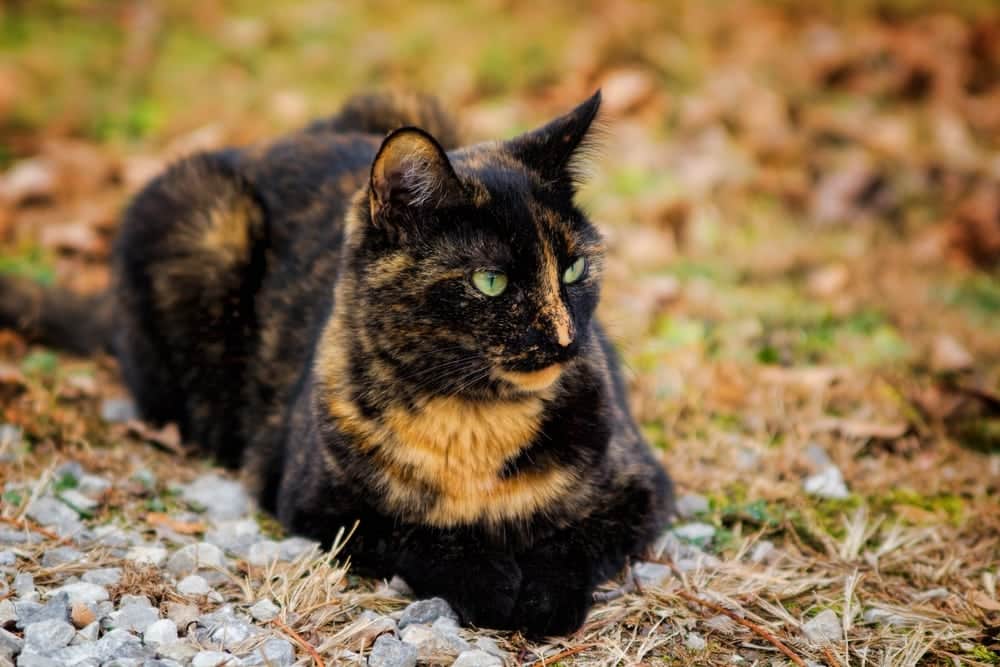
[[486, 596], [556, 594]]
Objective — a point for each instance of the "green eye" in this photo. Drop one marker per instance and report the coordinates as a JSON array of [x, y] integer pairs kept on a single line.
[[490, 283], [575, 270]]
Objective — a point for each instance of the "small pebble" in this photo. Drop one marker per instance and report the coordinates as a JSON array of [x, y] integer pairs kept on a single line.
[[49, 635], [827, 483], [215, 659], [7, 558], [154, 555], [161, 632], [105, 576], [81, 615], [10, 644], [390, 652], [193, 585], [477, 658], [695, 642], [293, 547], [272, 653], [83, 591], [128, 600], [426, 611], [118, 410], [134, 618], [691, 505], [196, 557], [221, 498], [24, 583], [699, 533], [432, 644], [264, 553], [265, 610], [824, 627], [651, 574]]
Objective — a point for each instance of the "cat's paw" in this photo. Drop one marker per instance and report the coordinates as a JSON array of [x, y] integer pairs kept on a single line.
[[552, 605], [556, 592], [482, 593]]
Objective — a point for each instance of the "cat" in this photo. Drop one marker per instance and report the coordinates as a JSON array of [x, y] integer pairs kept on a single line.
[[391, 332]]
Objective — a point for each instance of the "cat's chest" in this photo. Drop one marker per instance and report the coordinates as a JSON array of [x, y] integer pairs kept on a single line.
[[459, 449]]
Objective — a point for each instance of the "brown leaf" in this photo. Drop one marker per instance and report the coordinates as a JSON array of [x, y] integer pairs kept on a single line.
[[983, 601], [168, 437], [176, 525]]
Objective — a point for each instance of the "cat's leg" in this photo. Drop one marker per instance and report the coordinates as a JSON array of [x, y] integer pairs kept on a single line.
[[480, 583], [188, 259], [561, 572]]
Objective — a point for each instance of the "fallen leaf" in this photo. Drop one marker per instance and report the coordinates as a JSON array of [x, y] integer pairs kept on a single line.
[[983, 601], [176, 525]]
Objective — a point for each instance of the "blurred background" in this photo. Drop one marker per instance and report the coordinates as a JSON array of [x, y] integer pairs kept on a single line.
[[802, 205]]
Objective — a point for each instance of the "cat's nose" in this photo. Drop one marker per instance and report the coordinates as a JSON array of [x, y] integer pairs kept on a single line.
[[558, 326]]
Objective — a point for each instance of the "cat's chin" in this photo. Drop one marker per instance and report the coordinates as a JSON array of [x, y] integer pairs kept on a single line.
[[533, 381]]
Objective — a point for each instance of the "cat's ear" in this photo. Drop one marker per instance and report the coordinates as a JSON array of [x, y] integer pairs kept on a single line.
[[411, 172], [557, 149]]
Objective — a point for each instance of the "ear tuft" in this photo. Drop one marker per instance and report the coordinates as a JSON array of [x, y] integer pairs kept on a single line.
[[411, 172], [559, 149]]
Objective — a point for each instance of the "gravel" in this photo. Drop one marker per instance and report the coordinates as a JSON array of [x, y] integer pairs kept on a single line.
[[691, 505], [477, 658], [390, 652], [83, 591], [695, 642], [222, 499], [823, 628], [134, 617], [827, 483], [265, 610], [272, 653], [426, 611], [105, 576]]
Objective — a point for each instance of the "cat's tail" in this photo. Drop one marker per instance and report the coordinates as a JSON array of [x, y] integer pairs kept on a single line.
[[56, 316], [381, 113]]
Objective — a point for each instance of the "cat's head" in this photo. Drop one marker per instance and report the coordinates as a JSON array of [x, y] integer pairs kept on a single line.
[[475, 272]]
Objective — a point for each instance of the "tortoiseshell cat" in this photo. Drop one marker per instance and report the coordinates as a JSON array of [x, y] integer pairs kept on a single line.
[[381, 331]]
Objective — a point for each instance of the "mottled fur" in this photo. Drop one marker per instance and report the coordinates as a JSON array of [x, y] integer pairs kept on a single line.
[[305, 310]]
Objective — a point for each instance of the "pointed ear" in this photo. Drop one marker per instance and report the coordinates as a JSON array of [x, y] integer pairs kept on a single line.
[[554, 149], [411, 172]]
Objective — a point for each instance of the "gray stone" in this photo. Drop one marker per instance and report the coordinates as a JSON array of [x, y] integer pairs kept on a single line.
[[477, 658], [83, 591], [30, 658], [77, 500], [128, 600], [93, 486], [293, 547], [7, 558], [824, 627], [71, 470], [827, 483], [692, 504], [651, 574], [105, 576], [431, 644], [221, 498], [491, 647], [181, 651], [119, 410], [87, 634], [152, 554], [10, 644], [183, 615], [265, 610], [426, 611], [134, 618], [215, 659], [695, 642], [875, 616], [390, 652], [50, 512], [8, 613], [24, 584], [696, 532], [193, 585], [56, 609], [8, 536], [263, 553], [47, 636], [113, 536], [235, 536], [273, 652], [232, 633], [160, 632], [195, 557]]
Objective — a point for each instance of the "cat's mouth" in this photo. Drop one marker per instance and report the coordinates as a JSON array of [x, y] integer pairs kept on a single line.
[[538, 380]]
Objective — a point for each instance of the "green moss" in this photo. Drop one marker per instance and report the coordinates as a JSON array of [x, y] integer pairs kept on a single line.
[[31, 263], [40, 363]]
